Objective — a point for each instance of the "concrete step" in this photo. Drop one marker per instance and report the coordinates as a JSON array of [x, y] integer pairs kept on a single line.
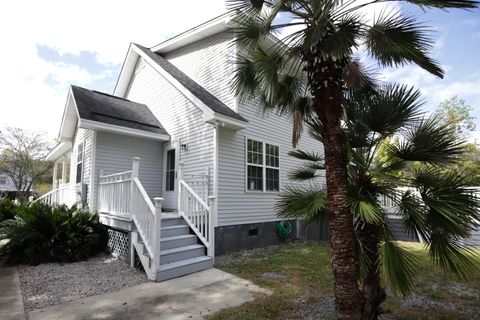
[[184, 267], [178, 230], [182, 253], [177, 242], [173, 221]]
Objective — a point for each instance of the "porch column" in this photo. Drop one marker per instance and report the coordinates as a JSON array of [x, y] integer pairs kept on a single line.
[[55, 173], [64, 169]]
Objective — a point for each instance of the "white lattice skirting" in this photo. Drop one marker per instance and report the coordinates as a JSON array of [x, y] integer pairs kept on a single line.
[[118, 243]]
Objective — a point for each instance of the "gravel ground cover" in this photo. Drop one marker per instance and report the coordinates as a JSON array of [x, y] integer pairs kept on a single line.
[[51, 284]]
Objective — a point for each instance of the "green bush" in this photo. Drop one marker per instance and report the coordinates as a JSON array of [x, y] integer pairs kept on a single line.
[[42, 233], [8, 209]]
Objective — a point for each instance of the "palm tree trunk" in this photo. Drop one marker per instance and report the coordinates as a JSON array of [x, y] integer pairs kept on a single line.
[[372, 291], [342, 237], [325, 76]]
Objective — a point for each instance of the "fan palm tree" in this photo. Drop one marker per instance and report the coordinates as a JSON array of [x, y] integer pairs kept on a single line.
[[310, 70], [434, 204]]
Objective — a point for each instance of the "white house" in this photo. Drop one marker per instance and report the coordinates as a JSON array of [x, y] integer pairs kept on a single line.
[[173, 129]]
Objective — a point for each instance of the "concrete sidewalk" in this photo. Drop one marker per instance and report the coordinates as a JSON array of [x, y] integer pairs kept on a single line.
[[11, 300], [189, 297]]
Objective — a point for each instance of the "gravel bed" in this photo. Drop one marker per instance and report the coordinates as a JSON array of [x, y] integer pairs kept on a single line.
[[51, 284]]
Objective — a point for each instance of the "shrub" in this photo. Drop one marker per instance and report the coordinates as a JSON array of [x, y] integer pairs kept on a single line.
[[42, 233], [8, 209]]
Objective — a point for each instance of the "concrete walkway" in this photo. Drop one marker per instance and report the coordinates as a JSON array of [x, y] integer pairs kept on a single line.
[[189, 297], [11, 300]]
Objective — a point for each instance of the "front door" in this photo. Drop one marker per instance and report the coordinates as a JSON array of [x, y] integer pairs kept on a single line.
[[170, 178]]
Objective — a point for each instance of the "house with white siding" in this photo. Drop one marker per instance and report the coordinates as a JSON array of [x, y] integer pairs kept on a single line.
[[177, 167]]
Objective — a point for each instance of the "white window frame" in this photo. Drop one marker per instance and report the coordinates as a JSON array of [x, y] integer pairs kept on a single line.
[[263, 166], [81, 143]]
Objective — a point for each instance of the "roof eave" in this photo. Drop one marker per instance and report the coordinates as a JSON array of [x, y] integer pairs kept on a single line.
[[100, 126], [204, 30], [59, 150]]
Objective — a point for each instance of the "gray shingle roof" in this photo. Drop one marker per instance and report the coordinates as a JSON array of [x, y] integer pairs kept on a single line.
[[201, 93], [102, 107]]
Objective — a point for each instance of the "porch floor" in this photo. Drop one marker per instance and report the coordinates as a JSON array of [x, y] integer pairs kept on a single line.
[[189, 297]]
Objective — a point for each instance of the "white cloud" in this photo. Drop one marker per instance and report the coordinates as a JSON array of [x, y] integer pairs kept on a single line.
[[103, 27]]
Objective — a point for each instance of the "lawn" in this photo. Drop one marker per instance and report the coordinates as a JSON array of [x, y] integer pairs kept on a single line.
[[301, 281]]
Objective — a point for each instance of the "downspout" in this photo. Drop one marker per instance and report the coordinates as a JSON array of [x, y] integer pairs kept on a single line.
[[93, 175], [215, 184]]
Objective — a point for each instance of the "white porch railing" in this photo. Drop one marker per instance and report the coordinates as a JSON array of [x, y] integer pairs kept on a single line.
[[200, 183], [197, 213], [123, 194], [114, 193], [64, 194]]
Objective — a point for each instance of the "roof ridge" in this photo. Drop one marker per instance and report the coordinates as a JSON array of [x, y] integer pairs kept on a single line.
[[104, 93]]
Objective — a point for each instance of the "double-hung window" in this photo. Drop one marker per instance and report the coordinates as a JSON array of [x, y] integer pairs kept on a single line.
[[263, 166], [79, 163]]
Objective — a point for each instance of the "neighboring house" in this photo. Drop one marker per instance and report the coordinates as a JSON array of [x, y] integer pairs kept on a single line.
[[217, 162], [7, 187]]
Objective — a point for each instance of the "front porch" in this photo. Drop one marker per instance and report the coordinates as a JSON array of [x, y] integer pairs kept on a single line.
[[169, 243]]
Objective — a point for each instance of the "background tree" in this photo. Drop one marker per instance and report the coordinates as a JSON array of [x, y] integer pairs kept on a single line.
[[457, 113], [308, 73], [436, 205], [22, 158]]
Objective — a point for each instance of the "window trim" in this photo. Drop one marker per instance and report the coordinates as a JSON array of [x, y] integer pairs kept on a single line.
[[81, 143], [264, 166]]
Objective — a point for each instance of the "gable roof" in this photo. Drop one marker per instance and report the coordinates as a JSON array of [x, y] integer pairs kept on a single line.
[[197, 90], [104, 108]]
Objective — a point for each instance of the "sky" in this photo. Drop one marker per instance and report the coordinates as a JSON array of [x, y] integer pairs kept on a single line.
[[49, 45]]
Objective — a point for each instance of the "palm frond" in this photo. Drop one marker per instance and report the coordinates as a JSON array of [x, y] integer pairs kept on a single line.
[[306, 155], [309, 202], [395, 107], [445, 4], [306, 172], [428, 141], [448, 253], [394, 40], [398, 267], [413, 214]]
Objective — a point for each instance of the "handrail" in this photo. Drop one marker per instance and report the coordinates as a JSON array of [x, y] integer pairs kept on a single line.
[[63, 194], [193, 193], [116, 174], [197, 214], [143, 214]]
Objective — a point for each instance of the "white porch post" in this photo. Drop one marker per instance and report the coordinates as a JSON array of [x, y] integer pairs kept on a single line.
[[211, 227], [179, 186], [64, 169], [135, 169], [55, 173], [158, 225]]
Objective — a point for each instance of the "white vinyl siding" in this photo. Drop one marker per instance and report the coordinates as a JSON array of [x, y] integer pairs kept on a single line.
[[236, 205], [208, 62], [180, 117], [114, 153]]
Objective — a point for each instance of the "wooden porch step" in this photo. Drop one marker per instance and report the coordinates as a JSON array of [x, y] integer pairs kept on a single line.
[[177, 241], [184, 267], [182, 253], [173, 231]]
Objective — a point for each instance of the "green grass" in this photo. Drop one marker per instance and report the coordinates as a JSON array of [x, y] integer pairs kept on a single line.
[[302, 271]]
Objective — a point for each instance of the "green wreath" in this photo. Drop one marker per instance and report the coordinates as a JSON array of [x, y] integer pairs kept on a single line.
[[283, 228]]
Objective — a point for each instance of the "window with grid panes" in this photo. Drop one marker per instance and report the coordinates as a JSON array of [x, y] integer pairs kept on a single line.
[[263, 166]]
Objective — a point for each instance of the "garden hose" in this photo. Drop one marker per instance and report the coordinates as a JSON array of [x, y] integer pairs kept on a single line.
[[283, 228]]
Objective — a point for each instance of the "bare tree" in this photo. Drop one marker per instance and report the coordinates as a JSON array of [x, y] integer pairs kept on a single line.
[[22, 157]]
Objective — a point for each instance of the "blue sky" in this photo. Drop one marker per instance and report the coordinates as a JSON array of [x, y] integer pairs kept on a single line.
[[57, 48]]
